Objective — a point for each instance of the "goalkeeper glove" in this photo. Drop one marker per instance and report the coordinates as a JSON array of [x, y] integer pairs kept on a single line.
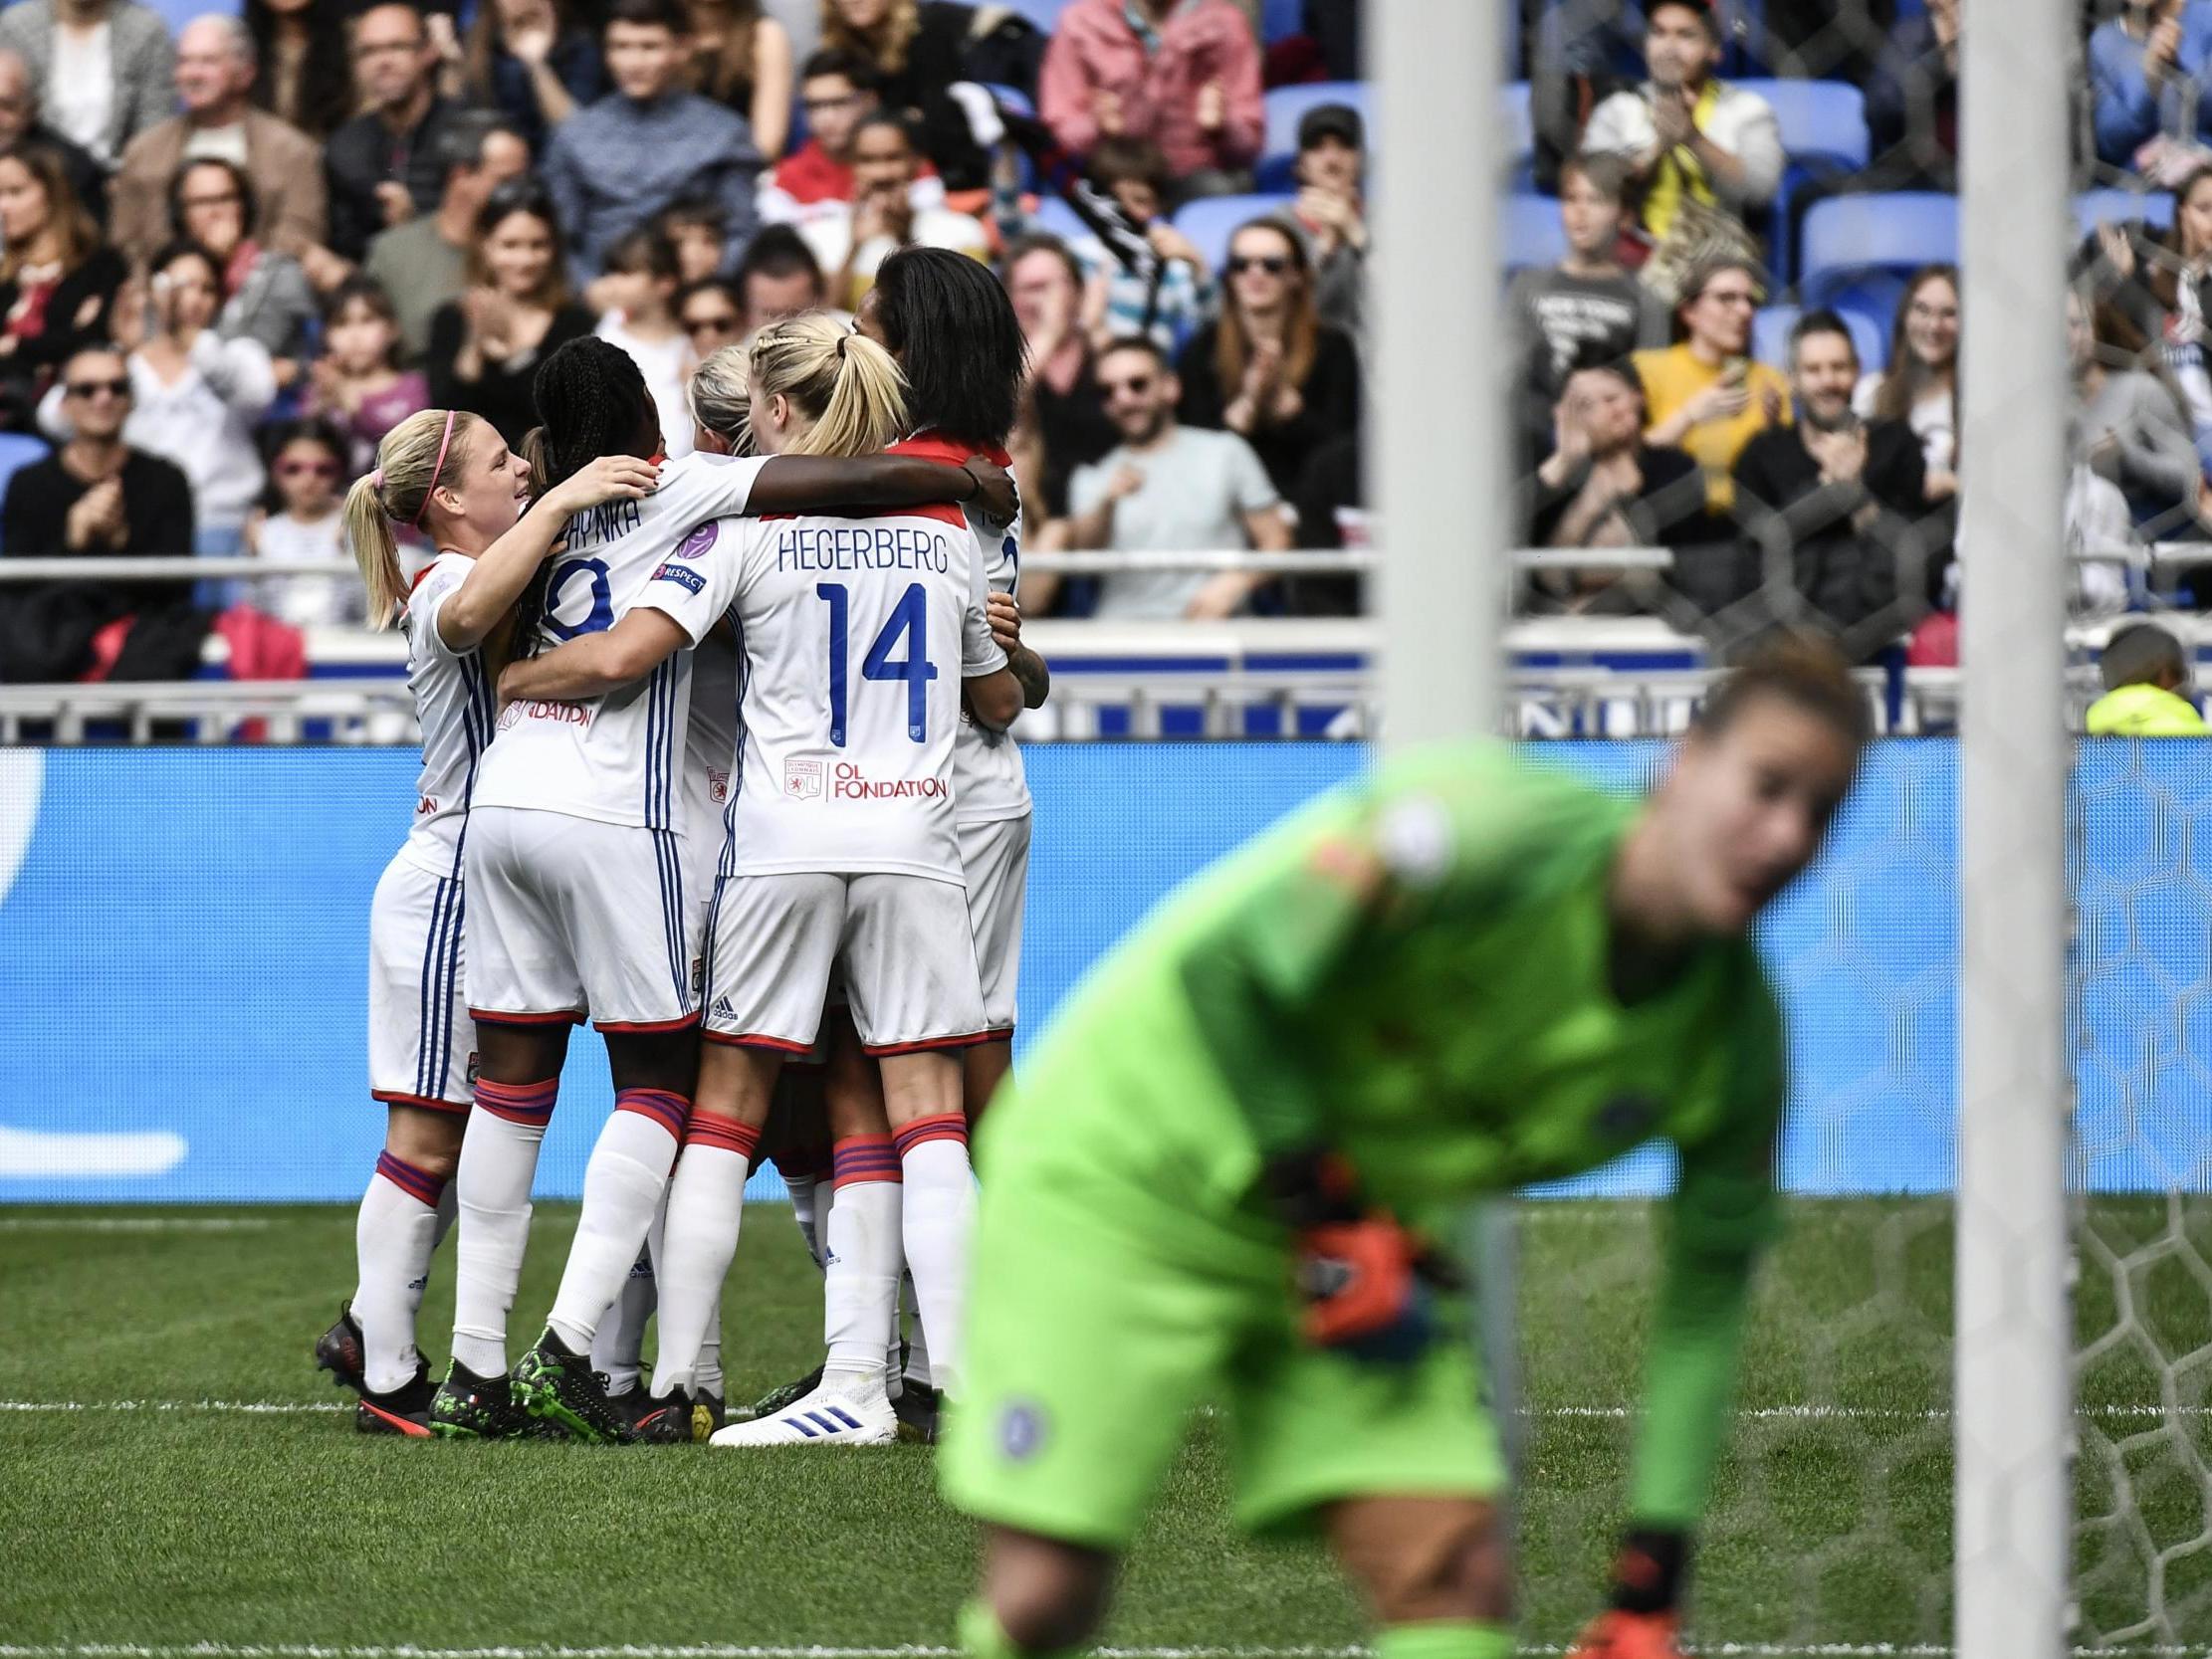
[[1647, 1586], [1367, 1284]]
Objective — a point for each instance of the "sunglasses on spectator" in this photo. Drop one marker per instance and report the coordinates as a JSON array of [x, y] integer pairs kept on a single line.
[[1135, 388], [93, 388], [307, 469], [1273, 264], [723, 322]]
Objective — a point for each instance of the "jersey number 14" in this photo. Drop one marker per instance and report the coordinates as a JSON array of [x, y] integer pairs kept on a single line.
[[908, 624]]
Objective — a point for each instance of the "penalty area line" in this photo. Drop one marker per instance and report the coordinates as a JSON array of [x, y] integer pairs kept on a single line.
[[134, 1225]]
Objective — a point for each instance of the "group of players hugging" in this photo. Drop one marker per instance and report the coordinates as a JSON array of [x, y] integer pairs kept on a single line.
[[736, 788]]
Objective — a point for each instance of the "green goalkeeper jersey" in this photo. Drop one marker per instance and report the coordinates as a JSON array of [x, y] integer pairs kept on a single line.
[[1420, 971]]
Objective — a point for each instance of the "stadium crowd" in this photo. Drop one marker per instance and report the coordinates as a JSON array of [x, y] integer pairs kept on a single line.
[[235, 256]]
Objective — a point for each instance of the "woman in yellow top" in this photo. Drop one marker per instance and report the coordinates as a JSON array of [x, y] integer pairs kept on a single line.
[[1706, 395]]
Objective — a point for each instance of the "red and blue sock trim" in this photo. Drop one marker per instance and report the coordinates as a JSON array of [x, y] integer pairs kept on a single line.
[[724, 1134], [670, 1111], [946, 1126], [528, 1104], [863, 1158], [419, 1184]]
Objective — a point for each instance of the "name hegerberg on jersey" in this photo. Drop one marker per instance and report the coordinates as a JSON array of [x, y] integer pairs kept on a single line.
[[837, 547]]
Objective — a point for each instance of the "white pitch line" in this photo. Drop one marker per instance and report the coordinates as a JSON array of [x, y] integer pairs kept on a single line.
[[134, 1225], [255, 1407]]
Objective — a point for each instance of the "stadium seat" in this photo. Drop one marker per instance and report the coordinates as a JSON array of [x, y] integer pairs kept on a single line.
[[1823, 123], [177, 13], [1212, 220], [1280, 19], [1043, 13], [1520, 133], [17, 451], [1770, 337], [1858, 250], [2093, 208], [1054, 217], [1533, 234], [1286, 106]]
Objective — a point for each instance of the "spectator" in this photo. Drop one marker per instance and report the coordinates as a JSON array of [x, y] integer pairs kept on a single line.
[[1182, 72], [1045, 285], [214, 72], [96, 497], [1165, 301], [265, 294], [307, 68], [2129, 425], [1331, 210], [1602, 486], [778, 277], [102, 69], [712, 316], [1684, 135], [883, 217], [837, 89], [385, 165], [196, 396], [2150, 71], [615, 164], [1912, 104], [299, 518], [698, 234], [1844, 494], [486, 345], [57, 282], [1167, 488], [1332, 516], [358, 385], [1920, 386], [423, 263], [918, 49], [531, 61], [21, 124], [742, 58], [1705, 394], [1270, 369], [1587, 309], [2146, 682], [2160, 284], [639, 287]]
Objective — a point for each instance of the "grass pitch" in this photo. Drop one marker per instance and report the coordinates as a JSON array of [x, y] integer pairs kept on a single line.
[[173, 1472]]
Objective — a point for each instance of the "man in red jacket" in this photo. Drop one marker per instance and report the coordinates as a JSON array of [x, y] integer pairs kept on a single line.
[[1182, 72]]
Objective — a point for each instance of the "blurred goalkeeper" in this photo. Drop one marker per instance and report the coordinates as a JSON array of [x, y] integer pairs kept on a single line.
[[1228, 1169]]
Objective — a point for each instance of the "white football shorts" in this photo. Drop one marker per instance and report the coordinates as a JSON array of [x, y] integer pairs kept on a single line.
[[996, 859], [570, 916], [421, 1040], [898, 943]]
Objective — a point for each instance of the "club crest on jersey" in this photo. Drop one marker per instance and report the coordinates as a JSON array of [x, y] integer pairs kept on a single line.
[[803, 779], [689, 581], [717, 786], [475, 1064]]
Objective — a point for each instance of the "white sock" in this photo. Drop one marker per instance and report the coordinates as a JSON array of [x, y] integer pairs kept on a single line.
[[860, 1281], [392, 1243], [499, 1160], [623, 1185], [940, 1214], [706, 1376], [619, 1342], [917, 1340], [706, 1205], [804, 1194]]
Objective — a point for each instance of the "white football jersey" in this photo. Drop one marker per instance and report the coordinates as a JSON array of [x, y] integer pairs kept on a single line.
[[453, 704], [710, 753], [617, 757], [857, 633]]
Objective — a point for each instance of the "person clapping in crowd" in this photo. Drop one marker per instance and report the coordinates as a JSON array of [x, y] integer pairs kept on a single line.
[[1704, 393], [1332, 210], [1920, 386], [534, 62], [266, 297], [517, 310], [57, 279], [741, 56]]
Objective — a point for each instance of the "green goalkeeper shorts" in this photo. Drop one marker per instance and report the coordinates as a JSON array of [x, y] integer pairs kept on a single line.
[[1089, 1343]]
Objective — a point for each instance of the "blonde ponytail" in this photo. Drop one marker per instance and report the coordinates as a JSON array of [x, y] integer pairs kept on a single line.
[[722, 398], [407, 468], [849, 385]]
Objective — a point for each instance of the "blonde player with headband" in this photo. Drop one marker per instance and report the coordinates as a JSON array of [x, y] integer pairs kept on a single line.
[[449, 476]]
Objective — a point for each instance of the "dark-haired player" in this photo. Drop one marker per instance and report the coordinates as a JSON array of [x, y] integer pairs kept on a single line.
[[1222, 1173]]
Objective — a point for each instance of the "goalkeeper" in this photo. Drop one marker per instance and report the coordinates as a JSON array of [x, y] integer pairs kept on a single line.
[[1225, 1170]]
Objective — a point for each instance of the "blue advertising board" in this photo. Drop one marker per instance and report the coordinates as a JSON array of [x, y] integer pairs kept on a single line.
[[182, 956]]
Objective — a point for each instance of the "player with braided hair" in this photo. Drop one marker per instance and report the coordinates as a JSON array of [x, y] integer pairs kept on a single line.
[[575, 865], [449, 476]]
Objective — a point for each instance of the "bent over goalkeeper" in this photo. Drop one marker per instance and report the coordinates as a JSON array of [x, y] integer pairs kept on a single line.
[[1225, 1170]]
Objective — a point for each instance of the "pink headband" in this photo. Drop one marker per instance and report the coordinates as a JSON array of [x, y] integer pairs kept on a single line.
[[437, 467]]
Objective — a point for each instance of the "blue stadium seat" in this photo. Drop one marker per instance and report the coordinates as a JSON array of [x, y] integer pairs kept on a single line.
[[1770, 337], [177, 13], [17, 451], [1286, 106], [1212, 220], [1043, 13], [1858, 250], [1280, 19], [1823, 123], [1532, 233], [1521, 132], [1054, 217], [2093, 208]]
